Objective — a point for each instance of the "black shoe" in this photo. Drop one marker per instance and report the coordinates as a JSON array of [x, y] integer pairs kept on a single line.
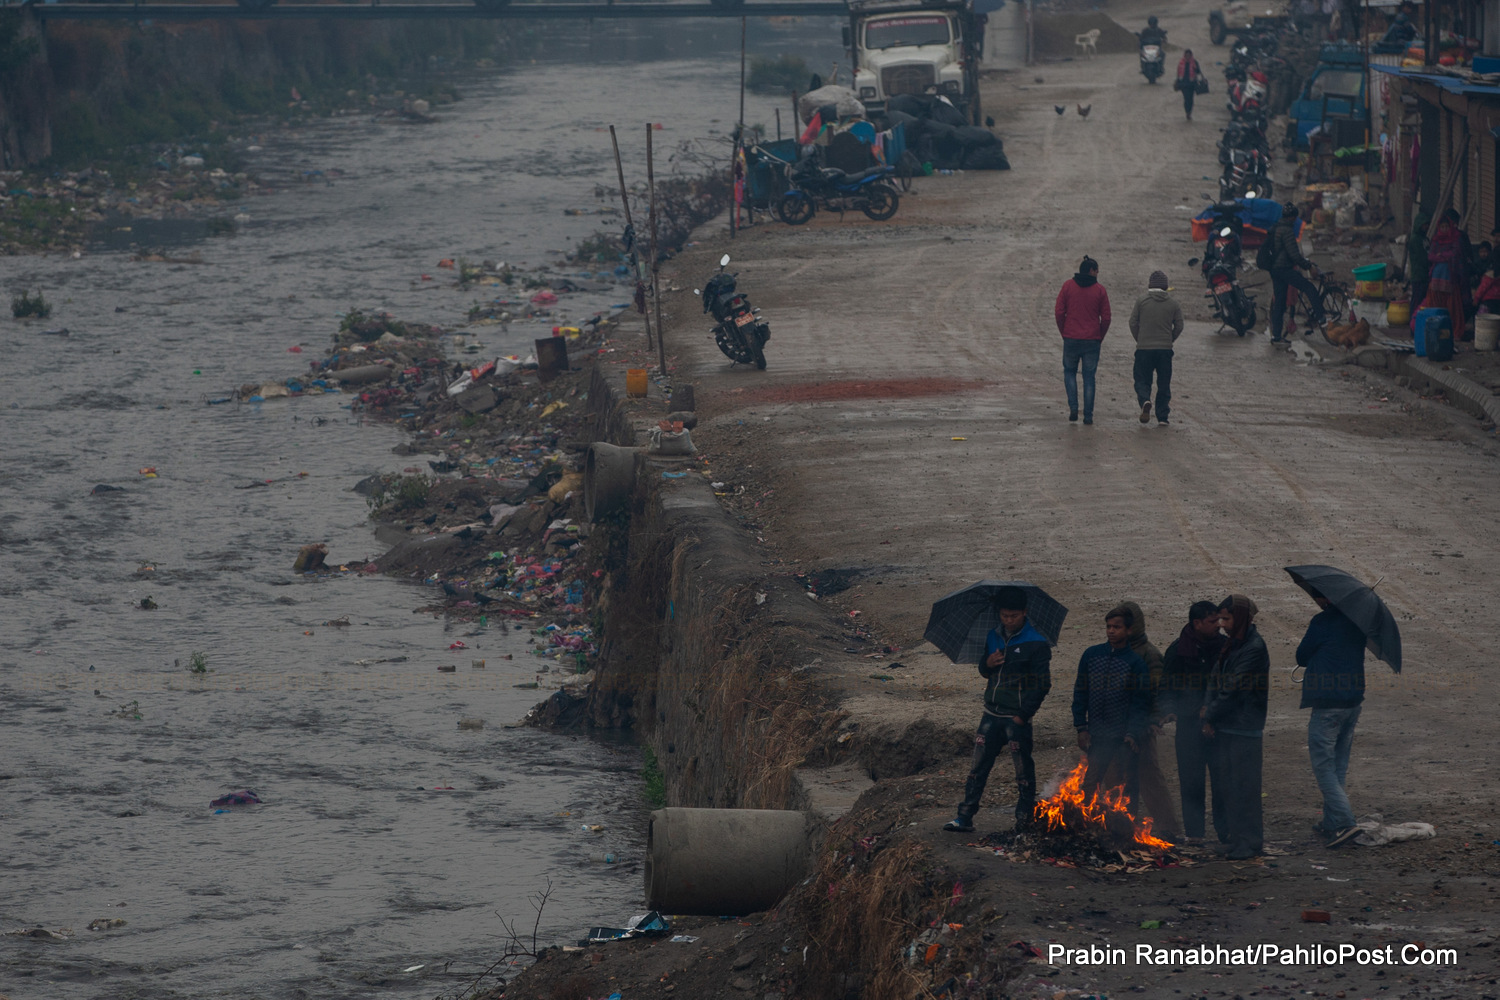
[[1146, 412], [1072, 415], [1345, 835], [1088, 420], [959, 825], [1241, 855]]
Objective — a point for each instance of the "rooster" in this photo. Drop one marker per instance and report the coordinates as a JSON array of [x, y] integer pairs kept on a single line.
[[1083, 112], [1059, 108]]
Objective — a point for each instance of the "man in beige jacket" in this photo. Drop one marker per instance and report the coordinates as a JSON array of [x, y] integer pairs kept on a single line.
[[1155, 323]]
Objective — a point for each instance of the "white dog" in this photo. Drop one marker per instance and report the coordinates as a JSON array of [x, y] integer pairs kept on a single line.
[[1088, 43]]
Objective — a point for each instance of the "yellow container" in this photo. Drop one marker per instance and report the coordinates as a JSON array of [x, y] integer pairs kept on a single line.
[[1369, 289], [635, 381], [1398, 314]]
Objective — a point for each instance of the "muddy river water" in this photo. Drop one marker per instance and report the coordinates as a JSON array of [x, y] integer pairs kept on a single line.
[[389, 841]]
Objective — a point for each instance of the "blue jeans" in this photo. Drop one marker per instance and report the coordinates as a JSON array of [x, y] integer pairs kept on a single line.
[[1330, 735], [1075, 351]]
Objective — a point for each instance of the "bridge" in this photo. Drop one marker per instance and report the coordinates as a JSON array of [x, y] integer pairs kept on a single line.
[[422, 11]]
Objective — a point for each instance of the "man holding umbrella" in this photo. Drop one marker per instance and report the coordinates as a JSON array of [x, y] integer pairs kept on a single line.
[[1016, 663], [1352, 620]]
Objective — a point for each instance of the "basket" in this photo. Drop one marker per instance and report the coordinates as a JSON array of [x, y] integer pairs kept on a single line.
[[1370, 272]]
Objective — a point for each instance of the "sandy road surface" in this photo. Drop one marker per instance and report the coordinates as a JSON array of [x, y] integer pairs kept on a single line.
[[942, 319]]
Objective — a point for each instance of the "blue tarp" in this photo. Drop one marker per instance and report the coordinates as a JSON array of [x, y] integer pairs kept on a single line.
[[1262, 213]]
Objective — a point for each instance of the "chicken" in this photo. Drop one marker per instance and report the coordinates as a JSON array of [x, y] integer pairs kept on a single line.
[[1083, 112], [1059, 108]]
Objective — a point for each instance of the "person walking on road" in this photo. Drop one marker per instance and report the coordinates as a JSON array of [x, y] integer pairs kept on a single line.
[[1016, 663], [1188, 74], [1112, 708], [1234, 718], [1185, 669], [1286, 264], [1155, 795], [1333, 653], [1083, 319], [1155, 323]]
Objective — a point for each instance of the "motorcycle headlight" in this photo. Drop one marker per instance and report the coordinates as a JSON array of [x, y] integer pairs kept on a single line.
[[865, 93]]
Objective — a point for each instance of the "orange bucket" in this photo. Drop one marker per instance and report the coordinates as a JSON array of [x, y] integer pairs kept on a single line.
[[635, 381]]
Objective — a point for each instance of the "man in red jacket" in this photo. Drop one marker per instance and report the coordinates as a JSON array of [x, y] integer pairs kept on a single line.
[[1083, 320]]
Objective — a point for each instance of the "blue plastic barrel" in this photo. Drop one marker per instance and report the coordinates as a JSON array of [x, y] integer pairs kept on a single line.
[[1420, 323]]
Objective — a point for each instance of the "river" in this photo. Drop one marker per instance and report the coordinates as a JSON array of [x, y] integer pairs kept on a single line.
[[361, 873]]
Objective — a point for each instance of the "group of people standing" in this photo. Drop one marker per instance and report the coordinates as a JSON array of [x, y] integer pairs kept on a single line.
[[1213, 682], [1449, 272]]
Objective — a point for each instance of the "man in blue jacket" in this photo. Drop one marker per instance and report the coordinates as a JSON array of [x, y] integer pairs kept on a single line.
[[1017, 664], [1112, 699], [1333, 651]]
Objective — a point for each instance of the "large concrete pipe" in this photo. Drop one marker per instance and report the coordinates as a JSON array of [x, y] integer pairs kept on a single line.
[[363, 374], [608, 479], [721, 862]]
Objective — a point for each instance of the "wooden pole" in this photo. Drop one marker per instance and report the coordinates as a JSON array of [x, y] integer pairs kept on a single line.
[[625, 198], [661, 335]]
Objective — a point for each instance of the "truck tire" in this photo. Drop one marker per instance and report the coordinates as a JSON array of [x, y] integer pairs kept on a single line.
[[1217, 32]]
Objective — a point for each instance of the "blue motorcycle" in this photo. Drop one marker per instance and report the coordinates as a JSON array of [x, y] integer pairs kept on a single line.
[[813, 186]]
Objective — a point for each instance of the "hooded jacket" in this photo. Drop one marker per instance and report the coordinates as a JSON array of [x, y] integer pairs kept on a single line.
[[1156, 321], [1333, 651], [1286, 254], [1018, 685], [1082, 308], [1143, 648], [1239, 686], [1185, 668]]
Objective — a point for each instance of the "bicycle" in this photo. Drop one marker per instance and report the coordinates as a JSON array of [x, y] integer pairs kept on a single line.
[[1334, 296]]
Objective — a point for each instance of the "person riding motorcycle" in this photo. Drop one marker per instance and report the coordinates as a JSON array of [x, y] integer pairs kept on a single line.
[[1151, 34]]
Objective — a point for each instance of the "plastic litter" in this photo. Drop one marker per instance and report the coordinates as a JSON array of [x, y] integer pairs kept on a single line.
[[1378, 834], [244, 798]]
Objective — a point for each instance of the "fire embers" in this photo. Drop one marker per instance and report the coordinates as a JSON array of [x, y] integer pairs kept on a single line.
[[1102, 813]]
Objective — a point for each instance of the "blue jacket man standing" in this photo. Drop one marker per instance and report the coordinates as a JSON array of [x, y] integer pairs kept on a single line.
[[1333, 651], [1016, 663], [1112, 699]]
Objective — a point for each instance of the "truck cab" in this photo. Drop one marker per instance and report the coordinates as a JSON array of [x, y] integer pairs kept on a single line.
[[1335, 88], [915, 47]]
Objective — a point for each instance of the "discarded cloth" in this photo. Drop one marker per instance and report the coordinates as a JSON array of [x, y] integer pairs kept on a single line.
[[1378, 834]]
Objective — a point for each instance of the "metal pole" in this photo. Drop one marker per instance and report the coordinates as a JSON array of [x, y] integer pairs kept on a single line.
[[778, 124], [661, 334], [625, 197]]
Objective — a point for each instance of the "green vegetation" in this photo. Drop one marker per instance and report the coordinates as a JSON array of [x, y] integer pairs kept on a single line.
[[396, 492], [784, 73], [129, 710], [198, 663], [655, 791], [371, 327], [26, 304]]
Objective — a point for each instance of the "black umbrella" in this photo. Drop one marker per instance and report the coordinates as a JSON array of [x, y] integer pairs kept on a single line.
[[1359, 604], [961, 621]]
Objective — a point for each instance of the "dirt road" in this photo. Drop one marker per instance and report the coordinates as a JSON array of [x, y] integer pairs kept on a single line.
[[912, 428]]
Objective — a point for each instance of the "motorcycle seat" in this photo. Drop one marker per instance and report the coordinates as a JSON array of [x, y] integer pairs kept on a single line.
[[840, 177]]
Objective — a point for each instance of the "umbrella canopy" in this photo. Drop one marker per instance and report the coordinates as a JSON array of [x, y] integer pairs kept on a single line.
[[1359, 604], [961, 621]]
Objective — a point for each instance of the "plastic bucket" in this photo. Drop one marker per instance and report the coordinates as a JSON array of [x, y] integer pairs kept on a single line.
[[635, 381], [1370, 272], [1398, 314], [1486, 331]]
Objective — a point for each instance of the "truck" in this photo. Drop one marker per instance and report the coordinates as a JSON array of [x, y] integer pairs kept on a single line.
[[919, 47], [1336, 89]]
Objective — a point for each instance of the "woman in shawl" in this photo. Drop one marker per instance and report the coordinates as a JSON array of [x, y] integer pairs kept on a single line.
[[1188, 72], [1446, 279]]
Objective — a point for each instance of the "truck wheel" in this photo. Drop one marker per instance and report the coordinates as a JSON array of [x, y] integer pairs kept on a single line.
[[1217, 33]]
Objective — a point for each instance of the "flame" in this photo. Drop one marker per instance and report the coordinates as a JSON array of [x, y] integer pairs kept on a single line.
[[1102, 810]]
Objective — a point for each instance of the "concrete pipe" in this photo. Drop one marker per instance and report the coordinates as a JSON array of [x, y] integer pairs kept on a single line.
[[722, 862], [364, 373], [608, 479]]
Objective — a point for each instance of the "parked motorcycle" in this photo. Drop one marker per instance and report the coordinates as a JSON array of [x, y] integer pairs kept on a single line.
[[869, 191], [1246, 174], [1153, 61], [1221, 266], [1247, 94], [739, 331]]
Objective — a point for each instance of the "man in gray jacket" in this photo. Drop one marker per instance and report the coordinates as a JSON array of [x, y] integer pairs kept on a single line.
[[1155, 323]]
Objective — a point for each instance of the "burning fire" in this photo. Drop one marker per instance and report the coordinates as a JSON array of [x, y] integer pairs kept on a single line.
[[1070, 810]]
